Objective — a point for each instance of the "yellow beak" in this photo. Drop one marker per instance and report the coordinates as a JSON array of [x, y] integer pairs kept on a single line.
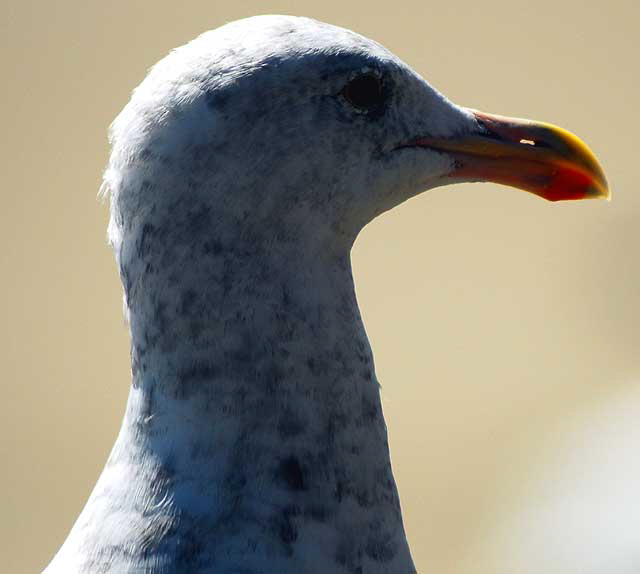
[[536, 157]]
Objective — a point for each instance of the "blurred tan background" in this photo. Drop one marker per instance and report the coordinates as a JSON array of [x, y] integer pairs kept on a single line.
[[505, 328]]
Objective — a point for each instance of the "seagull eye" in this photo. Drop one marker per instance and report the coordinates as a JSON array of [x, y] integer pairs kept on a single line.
[[364, 92]]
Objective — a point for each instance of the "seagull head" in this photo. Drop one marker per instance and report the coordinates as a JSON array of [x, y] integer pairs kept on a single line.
[[298, 128]]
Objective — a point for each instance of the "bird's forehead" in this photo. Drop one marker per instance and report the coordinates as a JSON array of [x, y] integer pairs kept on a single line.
[[288, 35], [283, 41]]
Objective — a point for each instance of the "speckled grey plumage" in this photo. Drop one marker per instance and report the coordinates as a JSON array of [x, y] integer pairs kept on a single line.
[[253, 440]]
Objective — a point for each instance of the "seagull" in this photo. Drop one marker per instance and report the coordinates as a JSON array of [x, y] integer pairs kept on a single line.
[[241, 172]]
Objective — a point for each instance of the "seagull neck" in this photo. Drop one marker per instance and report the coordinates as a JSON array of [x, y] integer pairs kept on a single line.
[[272, 338], [242, 314], [255, 415]]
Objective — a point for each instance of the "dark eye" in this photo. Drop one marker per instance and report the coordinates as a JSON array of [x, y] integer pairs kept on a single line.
[[364, 92]]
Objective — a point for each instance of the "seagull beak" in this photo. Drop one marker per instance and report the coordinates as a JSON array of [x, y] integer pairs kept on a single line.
[[536, 157]]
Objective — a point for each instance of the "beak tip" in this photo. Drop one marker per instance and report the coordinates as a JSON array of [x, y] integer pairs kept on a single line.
[[601, 191]]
